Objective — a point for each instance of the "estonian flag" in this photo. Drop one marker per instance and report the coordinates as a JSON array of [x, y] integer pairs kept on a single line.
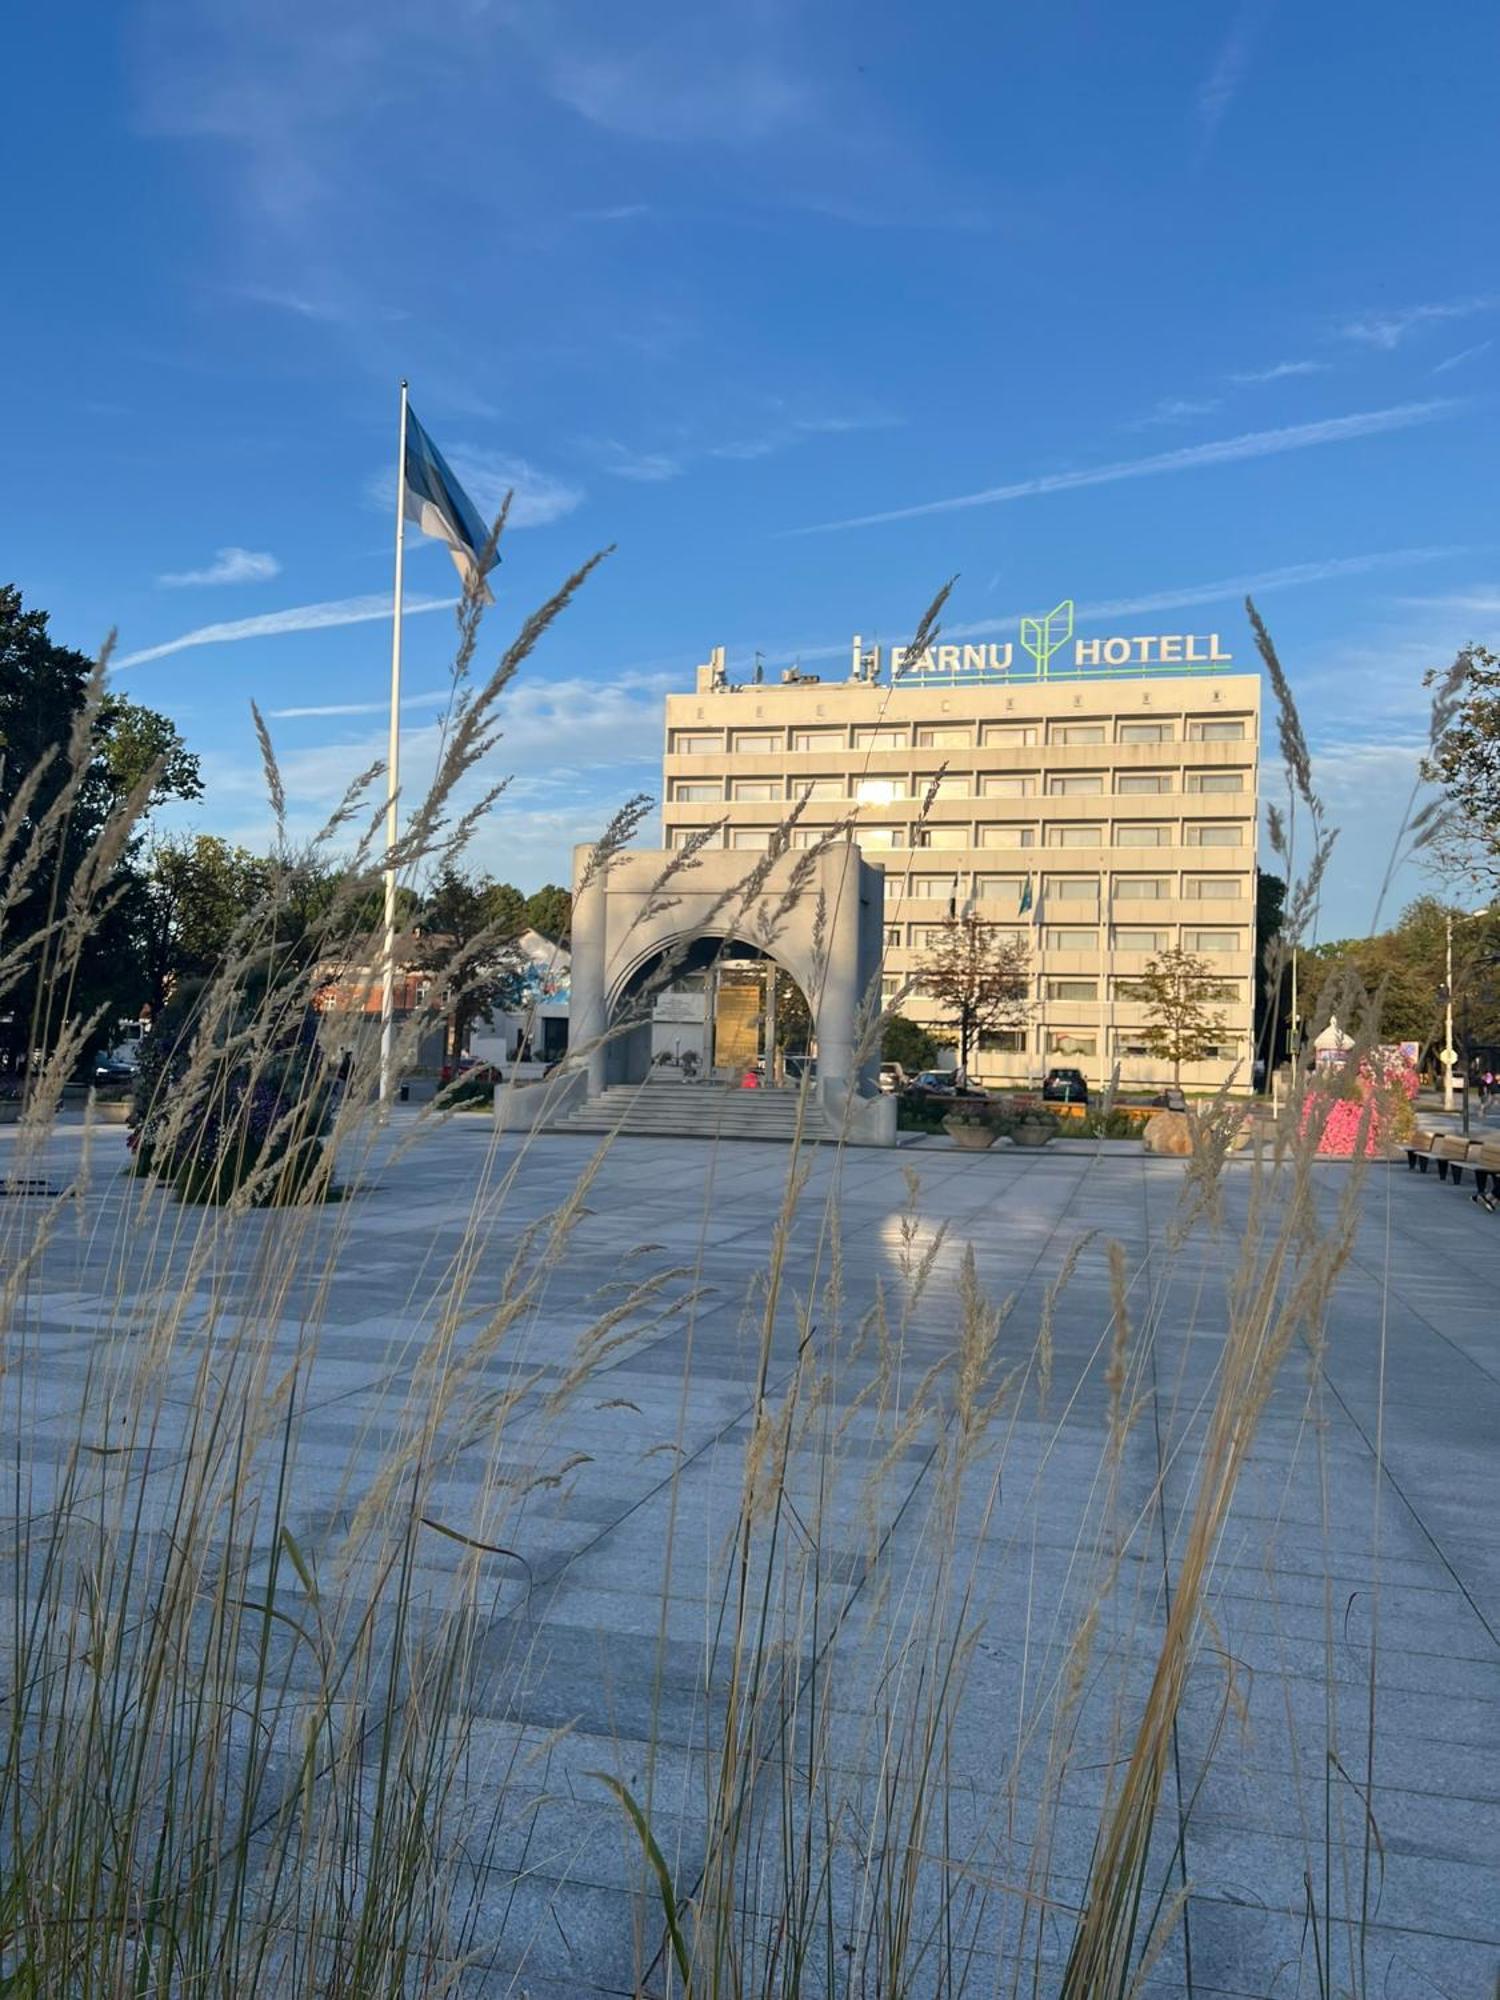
[[1025, 899], [434, 500]]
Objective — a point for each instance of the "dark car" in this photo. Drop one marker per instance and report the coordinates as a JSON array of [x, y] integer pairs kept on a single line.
[[1065, 1086], [112, 1075], [938, 1085]]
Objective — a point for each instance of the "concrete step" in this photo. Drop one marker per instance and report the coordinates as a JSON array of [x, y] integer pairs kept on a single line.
[[692, 1111]]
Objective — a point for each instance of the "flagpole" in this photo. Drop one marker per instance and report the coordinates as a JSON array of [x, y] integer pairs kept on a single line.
[[393, 779]]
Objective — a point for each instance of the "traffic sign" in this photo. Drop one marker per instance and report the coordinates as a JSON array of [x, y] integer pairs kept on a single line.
[[1448, 1057]]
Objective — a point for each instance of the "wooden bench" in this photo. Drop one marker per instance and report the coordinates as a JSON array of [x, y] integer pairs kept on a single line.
[[1485, 1160], [1419, 1148], [1452, 1151]]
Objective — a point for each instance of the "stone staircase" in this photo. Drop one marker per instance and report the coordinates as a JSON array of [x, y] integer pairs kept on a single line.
[[692, 1111]]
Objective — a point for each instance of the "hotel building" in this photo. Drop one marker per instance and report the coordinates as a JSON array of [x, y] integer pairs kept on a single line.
[[1098, 803]]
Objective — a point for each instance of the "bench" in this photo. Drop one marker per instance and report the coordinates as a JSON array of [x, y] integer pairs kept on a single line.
[[1485, 1160], [1451, 1152], [1419, 1148]]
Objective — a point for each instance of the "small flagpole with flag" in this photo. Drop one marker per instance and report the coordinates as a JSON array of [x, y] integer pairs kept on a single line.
[[393, 780], [427, 493]]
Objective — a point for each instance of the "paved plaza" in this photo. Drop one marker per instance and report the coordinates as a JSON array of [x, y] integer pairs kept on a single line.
[[1364, 1539]]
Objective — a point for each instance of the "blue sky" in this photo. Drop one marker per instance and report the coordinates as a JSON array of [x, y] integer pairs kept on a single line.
[[1171, 298]]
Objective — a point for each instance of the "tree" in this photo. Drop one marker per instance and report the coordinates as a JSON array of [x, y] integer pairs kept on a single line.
[[902, 1041], [48, 691], [981, 975], [197, 890], [550, 913], [482, 972], [1272, 976], [1465, 760], [1178, 988]]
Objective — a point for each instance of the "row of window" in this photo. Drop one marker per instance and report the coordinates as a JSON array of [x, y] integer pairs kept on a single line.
[[956, 736], [1220, 992], [884, 791], [961, 839], [1064, 937], [1047, 1040]]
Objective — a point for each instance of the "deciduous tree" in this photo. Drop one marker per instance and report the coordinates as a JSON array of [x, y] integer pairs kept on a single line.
[[1179, 989], [980, 974]]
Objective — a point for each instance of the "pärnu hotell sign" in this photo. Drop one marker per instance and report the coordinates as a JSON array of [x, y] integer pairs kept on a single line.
[[1048, 649]]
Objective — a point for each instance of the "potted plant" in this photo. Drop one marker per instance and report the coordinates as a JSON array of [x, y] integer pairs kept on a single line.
[[1029, 1122], [971, 1127]]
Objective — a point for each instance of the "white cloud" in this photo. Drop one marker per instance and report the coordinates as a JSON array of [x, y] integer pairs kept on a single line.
[[341, 708], [1279, 371], [1387, 330], [648, 468], [228, 566], [683, 88], [1189, 458], [1174, 410], [1222, 84], [487, 476], [274, 624], [1463, 354]]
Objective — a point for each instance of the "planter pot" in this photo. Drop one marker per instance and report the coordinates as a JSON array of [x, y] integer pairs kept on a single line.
[[1031, 1136], [10, 1110], [971, 1138], [112, 1111]]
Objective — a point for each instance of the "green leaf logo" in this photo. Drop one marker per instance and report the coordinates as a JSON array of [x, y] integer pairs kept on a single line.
[[1042, 637]]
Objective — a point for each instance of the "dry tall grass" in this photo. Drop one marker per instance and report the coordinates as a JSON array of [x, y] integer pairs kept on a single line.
[[249, 1746]]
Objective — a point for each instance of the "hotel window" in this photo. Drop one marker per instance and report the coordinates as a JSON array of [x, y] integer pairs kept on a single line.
[[1127, 835], [1020, 786], [687, 743], [696, 795], [1216, 833], [1072, 940], [1077, 732], [817, 788], [1141, 888], [1128, 1042], [1073, 836], [943, 836], [1211, 940], [757, 742], [756, 838], [1009, 735], [817, 739], [933, 888], [880, 739], [1081, 785], [682, 835], [951, 785], [1211, 888], [1136, 784], [1007, 836], [890, 989], [999, 889], [1072, 989], [1144, 732], [1138, 940], [758, 789], [893, 937], [1068, 1042], [880, 839], [807, 836], [1071, 888], [879, 791], [1209, 729], [1002, 1041], [944, 738], [1216, 781]]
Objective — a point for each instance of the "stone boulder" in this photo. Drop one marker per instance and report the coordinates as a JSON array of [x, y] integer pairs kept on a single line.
[[1169, 1132]]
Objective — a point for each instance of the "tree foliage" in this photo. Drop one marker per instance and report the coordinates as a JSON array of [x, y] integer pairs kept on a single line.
[[75, 760], [904, 1041], [466, 939], [1179, 989], [1465, 761], [1403, 972], [549, 911], [981, 976]]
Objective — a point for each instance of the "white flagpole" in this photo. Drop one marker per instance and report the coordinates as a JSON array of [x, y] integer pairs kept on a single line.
[[393, 779]]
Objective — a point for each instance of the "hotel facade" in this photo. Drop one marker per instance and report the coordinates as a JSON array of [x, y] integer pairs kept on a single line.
[[1093, 797]]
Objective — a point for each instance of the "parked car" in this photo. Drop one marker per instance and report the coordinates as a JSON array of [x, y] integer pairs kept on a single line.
[[893, 1079], [112, 1074], [938, 1083], [1171, 1099], [1065, 1086], [470, 1070]]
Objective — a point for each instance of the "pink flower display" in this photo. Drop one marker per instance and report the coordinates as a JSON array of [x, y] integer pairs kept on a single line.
[[1368, 1120]]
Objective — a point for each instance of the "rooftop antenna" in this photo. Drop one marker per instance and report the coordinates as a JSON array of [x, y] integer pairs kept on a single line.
[[760, 667]]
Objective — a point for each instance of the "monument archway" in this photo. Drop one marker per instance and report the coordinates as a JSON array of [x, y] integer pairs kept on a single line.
[[818, 914]]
